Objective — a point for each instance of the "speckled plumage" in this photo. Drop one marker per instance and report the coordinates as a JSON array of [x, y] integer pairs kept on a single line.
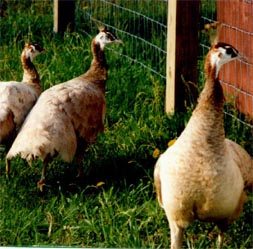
[[17, 98], [244, 162], [63, 114], [67, 117]]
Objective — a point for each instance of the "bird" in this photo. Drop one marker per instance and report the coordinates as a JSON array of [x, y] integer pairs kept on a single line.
[[199, 176], [17, 98], [67, 117]]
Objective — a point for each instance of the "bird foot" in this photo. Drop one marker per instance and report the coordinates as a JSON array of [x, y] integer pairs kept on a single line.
[[80, 174], [7, 175], [40, 184], [7, 168]]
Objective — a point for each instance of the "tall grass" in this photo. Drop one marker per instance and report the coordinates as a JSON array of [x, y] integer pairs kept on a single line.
[[114, 205]]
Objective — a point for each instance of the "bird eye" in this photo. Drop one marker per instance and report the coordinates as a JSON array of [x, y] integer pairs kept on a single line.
[[33, 48], [229, 51], [110, 36]]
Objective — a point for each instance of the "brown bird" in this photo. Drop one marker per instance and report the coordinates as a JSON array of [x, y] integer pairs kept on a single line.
[[17, 98], [67, 117], [201, 175]]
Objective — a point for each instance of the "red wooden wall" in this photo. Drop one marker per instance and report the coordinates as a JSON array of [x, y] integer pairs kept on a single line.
[[237, 30]]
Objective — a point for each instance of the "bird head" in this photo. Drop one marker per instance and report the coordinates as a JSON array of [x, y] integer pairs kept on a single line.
[[31, 50], [105, 37], [222, 53]]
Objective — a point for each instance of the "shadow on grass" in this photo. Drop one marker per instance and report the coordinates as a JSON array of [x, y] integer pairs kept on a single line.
[[62, 177]]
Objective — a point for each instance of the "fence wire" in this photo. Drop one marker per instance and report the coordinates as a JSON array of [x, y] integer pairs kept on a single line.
[[143, 26], [232, 75]]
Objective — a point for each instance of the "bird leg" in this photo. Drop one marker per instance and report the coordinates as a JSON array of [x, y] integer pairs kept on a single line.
[[82, 145], [41, 183], [223, 226], [80, 171], [220, 240], [7, 148], [79, 160], [176, 235], [7, 167]]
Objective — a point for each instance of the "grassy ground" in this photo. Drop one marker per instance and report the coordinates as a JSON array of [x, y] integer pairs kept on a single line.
[[114, 206]]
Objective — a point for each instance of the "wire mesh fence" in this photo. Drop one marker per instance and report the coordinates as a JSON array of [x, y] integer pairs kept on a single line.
[[235, 77], [237, 29], [143, 26]]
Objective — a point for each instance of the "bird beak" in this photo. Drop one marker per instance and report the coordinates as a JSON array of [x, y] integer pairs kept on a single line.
[[118, 41], [42, 50], [242, 58]]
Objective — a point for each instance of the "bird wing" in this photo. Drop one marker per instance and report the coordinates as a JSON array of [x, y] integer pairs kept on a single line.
[[61, 114], [85, 106], [157, 183], [244, 162], [18, 98]]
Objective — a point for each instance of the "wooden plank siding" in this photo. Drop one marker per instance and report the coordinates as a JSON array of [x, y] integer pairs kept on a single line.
[[237, 30]]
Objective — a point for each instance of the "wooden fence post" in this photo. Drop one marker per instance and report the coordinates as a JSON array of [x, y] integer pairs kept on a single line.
[[64, 15], [182, 52]]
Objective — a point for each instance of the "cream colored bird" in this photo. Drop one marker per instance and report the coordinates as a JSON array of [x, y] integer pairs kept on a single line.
[[67, 117], [17, 98], [199, 176]]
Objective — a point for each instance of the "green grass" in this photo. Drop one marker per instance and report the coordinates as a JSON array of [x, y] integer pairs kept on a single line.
[[114, 205]]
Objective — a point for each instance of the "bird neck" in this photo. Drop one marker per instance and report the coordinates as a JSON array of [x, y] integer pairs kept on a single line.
[[97, 73], [212, 96], [209, 110], [30, 74]]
